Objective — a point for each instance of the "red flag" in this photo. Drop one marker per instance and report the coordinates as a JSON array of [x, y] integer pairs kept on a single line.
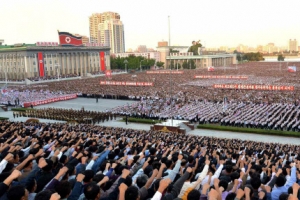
[[67, 39], [41, 64], [102, 61]]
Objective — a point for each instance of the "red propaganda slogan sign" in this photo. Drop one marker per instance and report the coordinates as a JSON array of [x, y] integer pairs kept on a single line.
[[164, 72], [108, 73], [221, 77], [126, 83], [51, 100], [254, 87]]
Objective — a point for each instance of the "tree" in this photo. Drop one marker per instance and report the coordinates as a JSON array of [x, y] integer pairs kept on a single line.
[[134, 62], [185, 65], [160, 64], [172, 64], [191, 64], [253, 56], [280, 57]]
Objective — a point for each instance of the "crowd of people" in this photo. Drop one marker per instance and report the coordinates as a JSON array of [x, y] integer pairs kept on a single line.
[[79, 116], [262, 73], [58, 161], [277, 116], [13, 97], [181, 96]]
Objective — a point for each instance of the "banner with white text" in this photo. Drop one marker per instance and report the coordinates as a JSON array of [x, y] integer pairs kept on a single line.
[[51, 100], [220, 77], [254, 87], [164, 72], [126, 83]]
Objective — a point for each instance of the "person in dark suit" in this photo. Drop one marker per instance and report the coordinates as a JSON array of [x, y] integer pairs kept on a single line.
[[126, 119]]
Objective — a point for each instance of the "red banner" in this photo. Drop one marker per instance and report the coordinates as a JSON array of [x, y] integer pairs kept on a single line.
[[164, 72], [46, 101], [211, 69], [41, 64], [221, 77], [126, 83], [102, 61], [254, 87], [68, 39]]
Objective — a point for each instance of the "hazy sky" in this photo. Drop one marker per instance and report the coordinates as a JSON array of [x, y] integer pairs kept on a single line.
[[215, 22]]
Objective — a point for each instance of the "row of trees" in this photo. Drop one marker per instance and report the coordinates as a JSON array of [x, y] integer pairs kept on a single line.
[[280, 57], [254, 56], [133, 63], [249, 56]]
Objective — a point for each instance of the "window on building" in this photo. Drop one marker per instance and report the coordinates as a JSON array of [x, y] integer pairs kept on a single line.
[[33, 62]]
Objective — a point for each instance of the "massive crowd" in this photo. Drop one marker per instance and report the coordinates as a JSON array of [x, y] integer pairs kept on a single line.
[[278, 116], [263, 73], [17, 98], [58, 161], [182, 97]]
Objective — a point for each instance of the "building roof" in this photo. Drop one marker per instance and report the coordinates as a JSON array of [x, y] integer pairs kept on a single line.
[[32, 47], [201, 56], [173, 47]]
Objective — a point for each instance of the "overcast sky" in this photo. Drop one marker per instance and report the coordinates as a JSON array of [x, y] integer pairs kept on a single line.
[[215, 22]]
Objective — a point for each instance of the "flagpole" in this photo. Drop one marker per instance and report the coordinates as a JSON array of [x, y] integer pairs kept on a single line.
[[171, 99]]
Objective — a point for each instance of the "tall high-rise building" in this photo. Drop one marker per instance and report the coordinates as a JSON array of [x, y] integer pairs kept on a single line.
[[293, 45], [141, 48], [111, 33], [85, 39], [162, 44], [96, 19]]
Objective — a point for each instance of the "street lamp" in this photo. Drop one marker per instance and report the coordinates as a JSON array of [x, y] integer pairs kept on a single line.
[[141, 65], [57, 69], [15, 70], [125, 62]]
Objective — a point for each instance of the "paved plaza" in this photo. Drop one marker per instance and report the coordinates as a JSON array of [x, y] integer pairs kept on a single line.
[[106, 104]]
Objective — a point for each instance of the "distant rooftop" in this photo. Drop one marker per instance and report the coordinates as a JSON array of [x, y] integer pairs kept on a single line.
[[18, 47], [15, 46]]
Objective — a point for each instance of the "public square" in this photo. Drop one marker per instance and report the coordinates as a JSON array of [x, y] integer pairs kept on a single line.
[[107, 104]]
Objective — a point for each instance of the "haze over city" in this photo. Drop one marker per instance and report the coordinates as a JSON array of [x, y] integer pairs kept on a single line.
[[215, 23]]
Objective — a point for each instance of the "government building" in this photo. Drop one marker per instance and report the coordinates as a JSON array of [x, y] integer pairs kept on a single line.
[[21, 61]]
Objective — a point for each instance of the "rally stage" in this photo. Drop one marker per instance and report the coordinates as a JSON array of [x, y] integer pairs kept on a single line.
[[178, 126]]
